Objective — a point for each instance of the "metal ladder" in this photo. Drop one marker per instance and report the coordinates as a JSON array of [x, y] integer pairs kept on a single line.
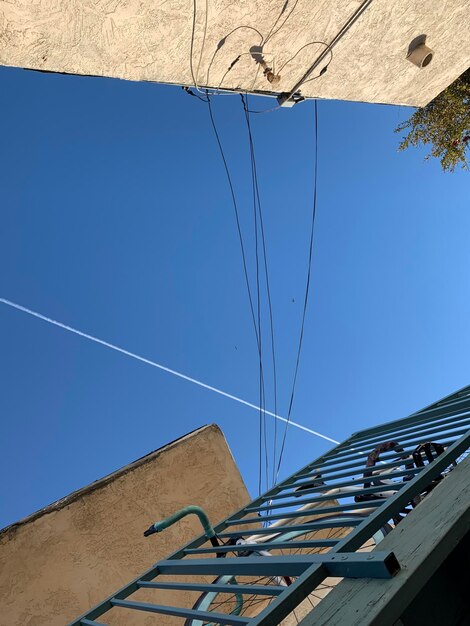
[[446, 422]]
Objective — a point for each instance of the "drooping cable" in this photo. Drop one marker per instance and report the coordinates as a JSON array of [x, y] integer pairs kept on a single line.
[[194, 95], [281, 13], [266, 272], [341, 33], [191, 47], [256, 326], [307, 289], [222, 43], [262, 415], [237, 216], [310, 43], [206, 16], [194, 76], [273, 32]]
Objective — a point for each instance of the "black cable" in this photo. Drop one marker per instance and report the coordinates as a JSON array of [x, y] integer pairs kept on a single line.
[[242, 247], [344, 29], [263, 40], [307, 288], [222, 42], [191, 93], [262, 394], [232, 64], [281, 13], [224, 38], [257, 213], [262, 415], [266, 272], [318, 75], [192, 42], [271, 33], [310, 43], [262, 403], [191, 50], [237, 218], [266, 110]]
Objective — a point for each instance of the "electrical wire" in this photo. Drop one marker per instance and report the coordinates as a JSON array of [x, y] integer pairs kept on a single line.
[[307, 288], [262, 415], [272, 34], [257, 327], [237, 216], [263, 41], [266, 110], [255, 78], [281, 13], [266, 272], [311, 43], [256, 211], [203, 42], [344, 29], [192, 42], [229, 69], [191, 50], [235, 61], [257, 214], [316, 77], [194, 95], [222, 43], [224, 38]]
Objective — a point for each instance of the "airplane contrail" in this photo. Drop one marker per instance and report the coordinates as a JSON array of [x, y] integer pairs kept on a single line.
[[142, 359]]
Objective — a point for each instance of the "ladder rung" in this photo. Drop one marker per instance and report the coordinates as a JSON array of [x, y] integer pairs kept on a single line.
[[425, 432], [313, 512], [274, 530], [272, 545], [332, 473], [425, 418], [446, 439], [345, 564], [336, 464], [334, 496], [219, 618], [259, 590], [358, 480], [291, 565]]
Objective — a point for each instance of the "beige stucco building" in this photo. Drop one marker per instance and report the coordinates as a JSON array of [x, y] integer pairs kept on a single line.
[[229, 45], [60, 561]]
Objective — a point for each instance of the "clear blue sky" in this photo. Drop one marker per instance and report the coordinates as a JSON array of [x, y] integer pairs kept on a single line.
[[116, 219]]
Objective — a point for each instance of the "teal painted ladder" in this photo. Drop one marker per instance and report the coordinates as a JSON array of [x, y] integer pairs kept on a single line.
[[339, 495]]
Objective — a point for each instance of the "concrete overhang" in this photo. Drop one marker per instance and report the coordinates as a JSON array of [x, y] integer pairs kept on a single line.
[[150, 40]]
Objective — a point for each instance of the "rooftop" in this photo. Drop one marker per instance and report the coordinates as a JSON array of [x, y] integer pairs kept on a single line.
[[364, 44]]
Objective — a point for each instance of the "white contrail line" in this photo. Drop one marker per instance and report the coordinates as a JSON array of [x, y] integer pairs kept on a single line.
[[160, 367]]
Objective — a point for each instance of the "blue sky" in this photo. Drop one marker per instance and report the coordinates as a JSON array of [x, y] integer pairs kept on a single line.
[[116, 219]]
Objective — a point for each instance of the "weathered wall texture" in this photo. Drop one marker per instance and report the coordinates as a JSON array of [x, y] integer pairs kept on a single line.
[[150, 40], [61, 561]]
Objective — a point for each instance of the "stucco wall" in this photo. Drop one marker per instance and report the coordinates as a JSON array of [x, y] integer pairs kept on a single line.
[[150, 40], [71, 555]]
